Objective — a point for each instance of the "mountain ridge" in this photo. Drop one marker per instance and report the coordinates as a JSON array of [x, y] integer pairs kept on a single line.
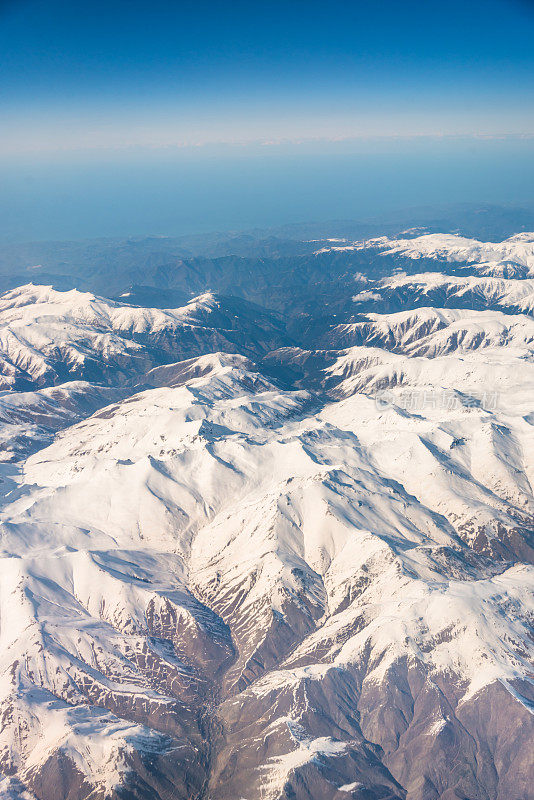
[[269, 556]]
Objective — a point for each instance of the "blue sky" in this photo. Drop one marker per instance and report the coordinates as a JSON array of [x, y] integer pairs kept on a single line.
[[112, 88], [123, 74]]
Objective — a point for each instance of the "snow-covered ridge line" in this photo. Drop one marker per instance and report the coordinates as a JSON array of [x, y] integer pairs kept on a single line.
[[518, 249], [402, 291], [492, 257], [47, 336], [32, 302], [436, 331]]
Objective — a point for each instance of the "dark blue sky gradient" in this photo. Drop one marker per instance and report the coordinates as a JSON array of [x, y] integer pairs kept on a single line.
[[197, 86], [183, 60]]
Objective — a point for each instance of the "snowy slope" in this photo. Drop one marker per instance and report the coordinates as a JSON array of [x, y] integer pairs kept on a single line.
[[29, 420], [513, 257], [436, 331], [263, 509], [48, 336], [247, 570], [402, 291]]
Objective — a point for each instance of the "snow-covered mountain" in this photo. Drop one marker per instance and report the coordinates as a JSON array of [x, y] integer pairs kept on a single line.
[[401, 291], [241, 564], [437, 331], [513, 257], [48, 336]]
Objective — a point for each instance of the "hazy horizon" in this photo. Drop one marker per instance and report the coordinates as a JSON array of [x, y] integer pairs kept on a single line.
[[204, 189], [177, 118]]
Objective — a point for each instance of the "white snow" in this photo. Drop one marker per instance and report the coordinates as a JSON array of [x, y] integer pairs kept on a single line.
[[215, 485], [518, 250]]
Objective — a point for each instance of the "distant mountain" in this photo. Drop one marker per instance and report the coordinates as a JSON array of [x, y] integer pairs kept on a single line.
[[165, 272]]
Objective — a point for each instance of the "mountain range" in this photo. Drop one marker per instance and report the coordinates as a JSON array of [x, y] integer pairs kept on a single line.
[[267, 517]]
